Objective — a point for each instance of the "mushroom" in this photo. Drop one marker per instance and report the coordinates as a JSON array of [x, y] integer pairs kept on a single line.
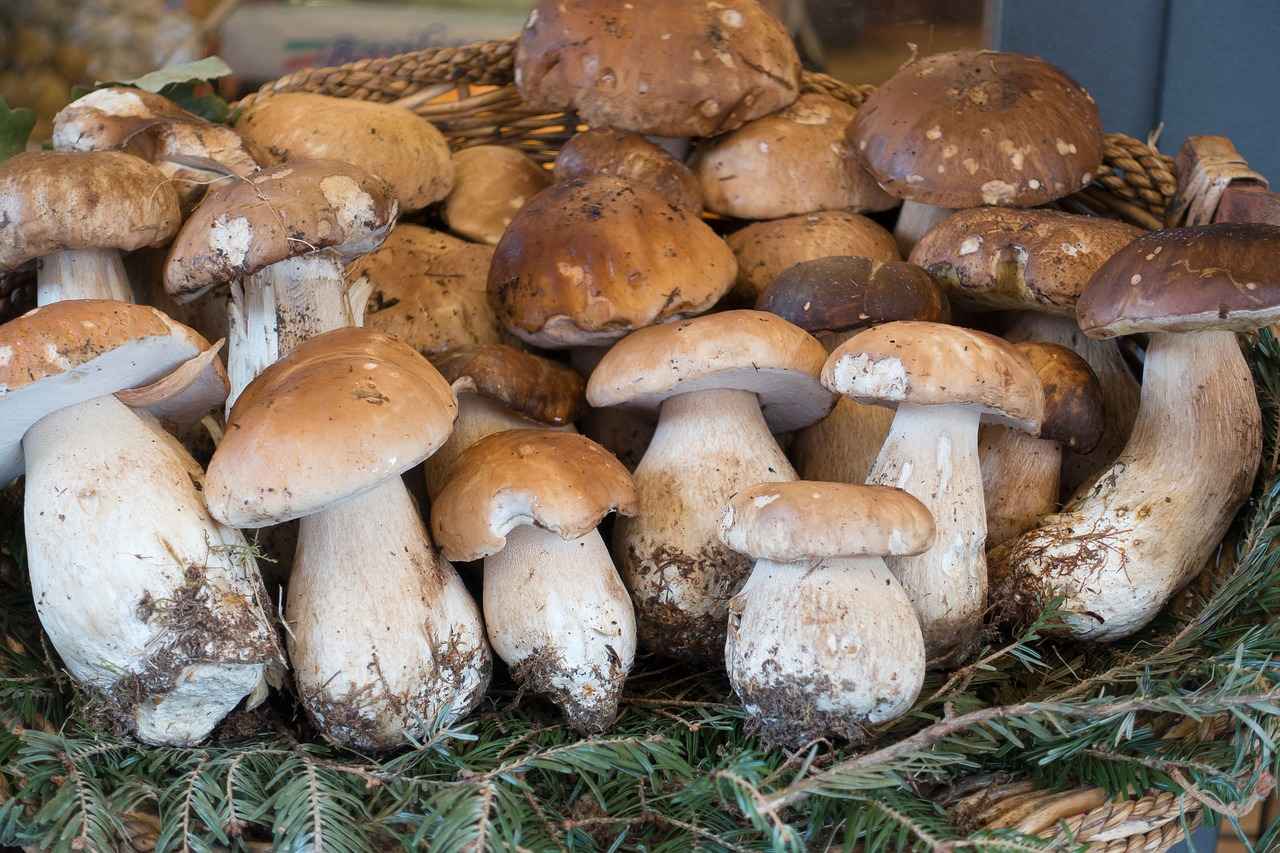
[[181, 401], [491, 183], [976, 127], [151, 604], [765, 249], [625, 433], [76, 212], [1021, 474], [384, 638], [793, 161], [822, 638], [943, 380], [631, 157], [529, 502], [832, 298], [721, 383], [397, 145], [1148, 525]]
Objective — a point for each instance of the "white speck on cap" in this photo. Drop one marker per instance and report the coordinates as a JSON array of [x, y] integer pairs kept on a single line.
[[6, 355], [761, 501], [1071, 249], [1135, 280], [970, 245], [1064, 147], [971, 165], [231, 238], [996, 192], [934, 132], [533, 20], [352, 205], [731, 18], [915, 179], [1033, 184]]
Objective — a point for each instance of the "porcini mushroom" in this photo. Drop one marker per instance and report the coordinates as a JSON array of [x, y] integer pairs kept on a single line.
[[631, 157], [491, 183], [822, 638], [528, 502]]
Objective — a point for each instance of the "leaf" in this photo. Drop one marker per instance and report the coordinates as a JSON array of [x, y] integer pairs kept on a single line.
[[209, 68], [15, 129], [205, 104]]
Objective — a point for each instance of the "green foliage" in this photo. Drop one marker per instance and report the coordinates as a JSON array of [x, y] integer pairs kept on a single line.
[[186, 85], [15, 129]]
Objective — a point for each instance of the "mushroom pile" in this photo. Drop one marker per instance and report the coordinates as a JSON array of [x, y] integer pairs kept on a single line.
[[839, 455]]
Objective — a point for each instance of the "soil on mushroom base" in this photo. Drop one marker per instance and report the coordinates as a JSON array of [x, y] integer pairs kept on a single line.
[[593, 710]]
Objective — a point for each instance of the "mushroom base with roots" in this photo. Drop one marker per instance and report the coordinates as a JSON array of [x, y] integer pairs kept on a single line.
[[1120, 549], [82, 274], [385, 640], [1020, 480], [558, 614], [916, 219], [823, 647], [147, 599], [708, 445]]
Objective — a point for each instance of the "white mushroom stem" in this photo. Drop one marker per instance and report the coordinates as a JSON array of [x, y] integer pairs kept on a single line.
[[932, 453], [1151, 522], [558, 614], [146, 598], [708, 445], [823, 648], [914, 221], [1021, 475], [82, 274]]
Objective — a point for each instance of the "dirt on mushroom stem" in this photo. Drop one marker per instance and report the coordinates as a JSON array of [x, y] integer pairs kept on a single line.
[[588, 711]]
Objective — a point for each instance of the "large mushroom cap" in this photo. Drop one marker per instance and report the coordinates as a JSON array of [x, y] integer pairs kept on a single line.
[[588, 260], [794, 161], [55, 200], [76, 350], [930, 364], [559, 481], [1073, 407], [491, 184], [1222, 276], [106, 118], [399, 146], [339, 415], [278, 213], [617, 154], [536, 387], [802, 520], [841, 293], [1009, 258], [740, 350], [664, 67], [979, 127]]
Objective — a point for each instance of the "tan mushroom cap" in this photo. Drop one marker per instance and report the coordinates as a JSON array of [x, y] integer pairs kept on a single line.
[[735, 350], [631, 157], [1073, 405], [841, 293], [397, 145], [338, 416], [803, 520], [536, 387], [106, 118], [491, 184], [559, 481], [664, 67], [977, 127], [282, 212], [790, 162], [56, 200], [930, 364], [1010, 258], [765, 249], [588, 260], [429, 289]]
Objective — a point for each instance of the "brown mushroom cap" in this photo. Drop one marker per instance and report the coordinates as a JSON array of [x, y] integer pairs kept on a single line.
[[1009, 258], [105, 118], [399, 146], [278, 213], [1222, 276], [790, 162], [664, 67], [1073, 407], [765, 249], [802, 520], [559, 481], [536, 387], [491, 184], [617, 154], [341, 414], [977, 127], [56, 200], [588, 260], [842, 293]]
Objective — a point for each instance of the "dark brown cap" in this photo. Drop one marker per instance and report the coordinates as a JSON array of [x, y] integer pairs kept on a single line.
[[1073, 407], [536, 387], [841, 293], [615, 153]]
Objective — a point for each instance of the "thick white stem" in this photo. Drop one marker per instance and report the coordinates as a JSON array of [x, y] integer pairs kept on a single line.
[[914, 221], [708, 446], [1020, 480], [932, 453], [82, 274], [558, 614]]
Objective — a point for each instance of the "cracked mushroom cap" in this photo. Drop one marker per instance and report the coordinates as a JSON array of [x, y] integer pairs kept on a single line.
[[1073, 406], [77, 350], [588, 260], [491, 184], [842, 293], [739, 350], [978, 127], [56, 200], [559, 481], [529, 384], [662, 67], [631, 157], [1221, 276], [279, 213], [803, 520], [337, 417], [1010, 258], [791, 162], [930, 364], [397, 145]]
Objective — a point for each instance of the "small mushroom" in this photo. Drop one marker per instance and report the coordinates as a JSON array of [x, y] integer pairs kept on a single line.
[[529, 502], [631, 157], [822, 638], [491, 184]]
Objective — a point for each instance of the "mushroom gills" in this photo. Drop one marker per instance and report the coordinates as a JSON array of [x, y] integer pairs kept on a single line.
[[82, 274]]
